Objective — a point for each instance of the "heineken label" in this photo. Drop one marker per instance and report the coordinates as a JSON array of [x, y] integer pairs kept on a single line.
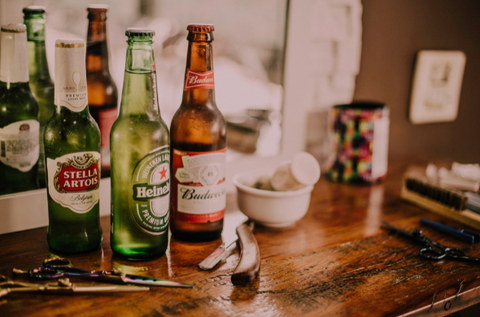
[[151, 191], [19, 144], [199, 191], [74, 180]]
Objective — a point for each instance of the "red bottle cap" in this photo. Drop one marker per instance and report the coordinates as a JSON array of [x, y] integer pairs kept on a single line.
[[198, 27]]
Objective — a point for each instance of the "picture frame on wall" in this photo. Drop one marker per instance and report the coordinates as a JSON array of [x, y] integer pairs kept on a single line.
[[436, 87]]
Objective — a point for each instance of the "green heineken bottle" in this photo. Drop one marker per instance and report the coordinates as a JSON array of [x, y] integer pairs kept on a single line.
[[19, 127], [40, 81], [140, 159], [72, 151]]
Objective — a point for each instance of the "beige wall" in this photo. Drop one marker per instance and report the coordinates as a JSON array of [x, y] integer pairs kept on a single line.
[[393, 31]]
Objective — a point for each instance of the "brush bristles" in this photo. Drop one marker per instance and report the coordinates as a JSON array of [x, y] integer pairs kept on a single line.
[[447, 196]]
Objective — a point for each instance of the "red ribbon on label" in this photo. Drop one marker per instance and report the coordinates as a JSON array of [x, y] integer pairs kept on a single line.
[[199, 80]]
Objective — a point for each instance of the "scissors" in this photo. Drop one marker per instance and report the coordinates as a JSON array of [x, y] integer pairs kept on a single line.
[[62, 286], [433, 250], [58, 267]]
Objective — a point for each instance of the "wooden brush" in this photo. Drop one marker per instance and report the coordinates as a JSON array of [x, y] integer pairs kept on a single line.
[[444, 201]]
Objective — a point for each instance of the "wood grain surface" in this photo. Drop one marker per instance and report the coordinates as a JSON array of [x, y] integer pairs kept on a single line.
[[336, 261]]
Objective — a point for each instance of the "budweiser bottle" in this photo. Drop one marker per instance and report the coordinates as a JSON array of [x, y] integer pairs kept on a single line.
[[102, 91], [198, 147], [40, 81], [72, 151], [19, 126], [140, 159]]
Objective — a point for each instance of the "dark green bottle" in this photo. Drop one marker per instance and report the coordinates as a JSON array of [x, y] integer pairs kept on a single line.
[[19, 126], [41, 83], [72, 153], [140, 159]]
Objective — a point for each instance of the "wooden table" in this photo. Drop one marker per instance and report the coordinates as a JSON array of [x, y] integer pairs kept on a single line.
[[336, 261]]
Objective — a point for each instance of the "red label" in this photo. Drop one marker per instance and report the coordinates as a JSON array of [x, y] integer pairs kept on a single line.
[[106, 120], [198, 186], [199, 80], [74, 177]]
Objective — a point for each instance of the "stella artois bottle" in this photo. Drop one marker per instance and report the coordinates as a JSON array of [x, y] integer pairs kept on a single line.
[[72, 151], [198, 141], [19, 126], [102, 91], [140, 159], [40, 81]]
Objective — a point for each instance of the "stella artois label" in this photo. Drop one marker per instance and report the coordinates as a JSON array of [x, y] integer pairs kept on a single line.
[[19, 144], [198, 80], [74, 180], [151, 191], [198, 191], [70, 75]]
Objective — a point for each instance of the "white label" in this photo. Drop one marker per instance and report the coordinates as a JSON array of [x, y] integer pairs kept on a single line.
[[14, 59], [199, 185], [70, 78], [380, 146], [74, 180], [19, 144], [193, 199]]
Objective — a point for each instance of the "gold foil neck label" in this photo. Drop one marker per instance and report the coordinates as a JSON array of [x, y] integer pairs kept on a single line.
[[69, 45], [13, 31]]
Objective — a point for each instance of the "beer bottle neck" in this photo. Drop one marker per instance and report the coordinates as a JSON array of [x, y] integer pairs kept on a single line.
[[37, 56], [199, 86], [139, 95], [97, 51], [13, 57], [35, 27], [70, 75]]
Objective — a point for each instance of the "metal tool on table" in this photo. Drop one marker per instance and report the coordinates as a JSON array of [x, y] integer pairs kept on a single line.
[[432, 250], [57, 267], [63, 286], [248, 266], [460, 234]]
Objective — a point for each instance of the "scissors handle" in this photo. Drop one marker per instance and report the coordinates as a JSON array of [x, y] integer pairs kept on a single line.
[[51, 273], [432, 253], [63, 264], [459, 254]]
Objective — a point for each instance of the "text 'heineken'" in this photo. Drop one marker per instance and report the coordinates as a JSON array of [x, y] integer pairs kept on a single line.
[[140, 159], [19, 126], [198, 136], [40, 81], [72, 152]]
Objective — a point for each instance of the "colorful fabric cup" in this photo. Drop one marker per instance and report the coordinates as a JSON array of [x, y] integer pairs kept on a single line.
[[360, 138]]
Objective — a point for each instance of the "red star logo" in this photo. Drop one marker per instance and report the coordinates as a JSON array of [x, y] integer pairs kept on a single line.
[[163, 172]]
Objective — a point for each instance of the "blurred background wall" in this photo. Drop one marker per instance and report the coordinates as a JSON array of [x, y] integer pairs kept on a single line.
[[393, 31], [355, 49]]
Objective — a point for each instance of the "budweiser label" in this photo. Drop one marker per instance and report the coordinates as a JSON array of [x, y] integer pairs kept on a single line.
[[106, 120], [74, 180], [19, 144], [199, 80], [199, 191], [70, 76], [151, 191]]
